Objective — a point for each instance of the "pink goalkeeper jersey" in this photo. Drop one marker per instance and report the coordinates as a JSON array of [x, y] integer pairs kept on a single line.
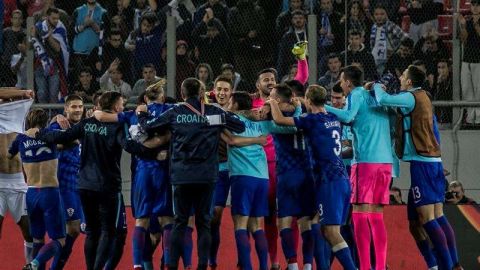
[[269, 148]]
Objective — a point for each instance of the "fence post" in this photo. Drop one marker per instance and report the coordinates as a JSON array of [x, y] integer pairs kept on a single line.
[[457, 112], [171, 56], [30, 52], [312, 49]]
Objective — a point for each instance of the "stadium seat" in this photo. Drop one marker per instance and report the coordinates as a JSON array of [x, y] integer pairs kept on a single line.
[[406, 23], [447, 6], [445, 26], [464, 6]]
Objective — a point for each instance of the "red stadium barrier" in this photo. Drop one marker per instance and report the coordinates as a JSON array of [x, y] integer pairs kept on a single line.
[[402, 252]]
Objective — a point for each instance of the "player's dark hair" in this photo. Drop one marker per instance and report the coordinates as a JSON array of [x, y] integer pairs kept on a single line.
[[267, 70], [337, 88], [52, 10], [416, 75], [71, 98], [222, 78], [316, 94], [353, 74], [37, 118], [284, 92], [191, 87], [297, 87], [243, 100], [108, 99]]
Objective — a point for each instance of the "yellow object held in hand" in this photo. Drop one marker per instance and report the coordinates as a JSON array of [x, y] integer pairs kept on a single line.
[[300, 50]]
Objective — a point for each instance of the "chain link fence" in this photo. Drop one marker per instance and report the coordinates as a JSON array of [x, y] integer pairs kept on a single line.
[[125, 45]]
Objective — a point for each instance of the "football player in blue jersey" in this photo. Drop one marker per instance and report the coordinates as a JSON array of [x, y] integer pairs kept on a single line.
[[68, 168], [44, 204], [294, 187], [322, 131]]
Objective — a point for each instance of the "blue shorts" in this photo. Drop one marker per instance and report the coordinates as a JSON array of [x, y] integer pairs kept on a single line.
[[295, 194], [222, 188], [427, 186], [249, 196], [121, 217], [72, 205], [45, 210], [333, 201], [152, 193]]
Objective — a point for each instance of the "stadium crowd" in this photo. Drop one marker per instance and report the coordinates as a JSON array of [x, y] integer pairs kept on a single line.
[[295, 167], [83, 46]]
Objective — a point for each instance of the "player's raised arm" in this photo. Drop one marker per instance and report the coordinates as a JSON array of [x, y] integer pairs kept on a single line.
[[239, 141]]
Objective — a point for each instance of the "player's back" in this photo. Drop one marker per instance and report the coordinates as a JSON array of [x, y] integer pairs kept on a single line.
[[39, 159], [371, 129], [290, 150], [323, 137]]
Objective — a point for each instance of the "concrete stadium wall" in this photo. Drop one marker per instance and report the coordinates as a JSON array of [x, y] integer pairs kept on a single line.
[[468, 169]]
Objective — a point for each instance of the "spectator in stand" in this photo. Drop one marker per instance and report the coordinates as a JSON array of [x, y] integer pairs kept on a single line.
[[396, 196], [149, 77], [216, 7], [283, 22], [456, 194], [101, 57], [123, 12], [89, 21], [8, 7], [229, 72], [470, 78], [141, 8], [296, 33], [49, 39], [185, 66], [401, 59], [330, 33], [391, 7], [204, 73], [430, 49], [41, 14], [30, 6], [111, 80], [86, 86], [212, 42], [183, 11], [146, 44], [246, 27], [291, 73], [423, 16], [2, 11], [18, 65], [443, 89], [12, 37], [331, 77], [357, 52], [385, 38], [358, 20]]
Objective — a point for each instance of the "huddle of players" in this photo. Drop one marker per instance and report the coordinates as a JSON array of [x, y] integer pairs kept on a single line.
[[312, 180]]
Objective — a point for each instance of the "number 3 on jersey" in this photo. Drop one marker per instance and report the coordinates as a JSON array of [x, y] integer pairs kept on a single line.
[[338, 144]]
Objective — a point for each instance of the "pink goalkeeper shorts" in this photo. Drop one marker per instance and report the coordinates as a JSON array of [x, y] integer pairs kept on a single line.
[[371, 183]]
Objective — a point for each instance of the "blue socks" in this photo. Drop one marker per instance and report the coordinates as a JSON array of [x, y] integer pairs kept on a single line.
[[52, 248], [450, 236], [321, 250], [243, 249], [427, 253], [288, 245], [138, 245], [307, 247], [187, 247], [342, 252], [167, 241], [261, 246], [60, 261], [437, 236]]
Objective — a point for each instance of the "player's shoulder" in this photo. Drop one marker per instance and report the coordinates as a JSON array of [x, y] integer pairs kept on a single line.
[[54, 126]]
